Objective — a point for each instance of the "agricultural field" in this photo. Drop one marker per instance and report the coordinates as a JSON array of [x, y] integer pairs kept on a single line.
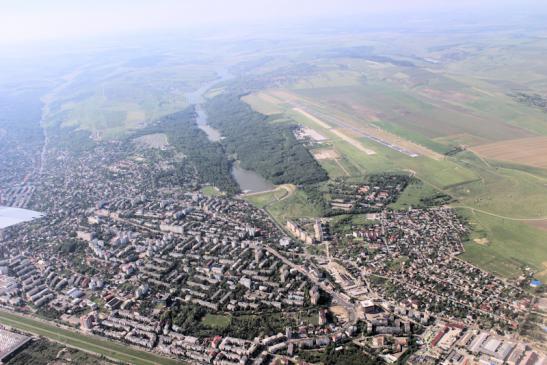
[[527, 151], [454, 106], [110, 100]]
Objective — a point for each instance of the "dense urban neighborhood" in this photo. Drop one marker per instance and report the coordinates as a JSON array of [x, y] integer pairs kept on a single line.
[[130, 249]]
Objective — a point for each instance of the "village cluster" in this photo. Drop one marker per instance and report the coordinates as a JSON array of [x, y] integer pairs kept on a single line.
[[365, 197]]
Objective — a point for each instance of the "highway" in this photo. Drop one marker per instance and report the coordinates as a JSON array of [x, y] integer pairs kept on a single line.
[[88, 343]]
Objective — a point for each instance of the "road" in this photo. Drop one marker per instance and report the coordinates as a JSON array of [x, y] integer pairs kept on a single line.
[[88, 343], [350, 307]]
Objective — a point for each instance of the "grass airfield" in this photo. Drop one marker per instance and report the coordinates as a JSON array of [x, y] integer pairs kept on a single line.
[[440, 107]]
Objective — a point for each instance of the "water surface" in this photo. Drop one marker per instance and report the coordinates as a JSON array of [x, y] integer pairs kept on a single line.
[[249, 181], [196, 98]]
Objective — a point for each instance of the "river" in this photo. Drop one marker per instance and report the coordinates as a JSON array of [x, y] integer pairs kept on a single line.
[[248, 181]]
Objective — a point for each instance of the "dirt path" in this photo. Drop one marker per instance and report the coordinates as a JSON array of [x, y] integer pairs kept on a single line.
[[341, 166], [287, 187], [499, 216]]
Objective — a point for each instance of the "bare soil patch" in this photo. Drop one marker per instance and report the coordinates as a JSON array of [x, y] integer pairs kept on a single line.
[[328, 154], [156, 140], [340, 312], [312, 134], [541, 224], [481, 241]]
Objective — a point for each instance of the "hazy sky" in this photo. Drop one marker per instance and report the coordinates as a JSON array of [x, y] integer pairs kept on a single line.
[[24, 20]]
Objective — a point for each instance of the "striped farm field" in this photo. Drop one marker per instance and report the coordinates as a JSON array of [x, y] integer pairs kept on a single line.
[[526, 151]]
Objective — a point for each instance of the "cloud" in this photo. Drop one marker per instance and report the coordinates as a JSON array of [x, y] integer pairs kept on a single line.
[[54, 19]]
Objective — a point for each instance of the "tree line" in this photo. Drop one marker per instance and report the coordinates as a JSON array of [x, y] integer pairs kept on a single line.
[[208, 158], [269, 149]]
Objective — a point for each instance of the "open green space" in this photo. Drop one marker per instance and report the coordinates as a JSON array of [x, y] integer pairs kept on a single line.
[[77, 340], [441, 173], [345, 223], [211, 191], [502, 190], [505, 247], [109, 100], [218, 321], [44, 352], [297, 205], [264, 199], [508, 190], [332, 168], [414, 195], [414, 137], [339, 168]]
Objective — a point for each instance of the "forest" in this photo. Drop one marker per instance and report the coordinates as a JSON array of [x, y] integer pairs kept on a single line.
[[267, 148], [208, 157]]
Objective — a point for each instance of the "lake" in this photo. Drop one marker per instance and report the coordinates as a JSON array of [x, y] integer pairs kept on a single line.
[[10, 216], [249, 181]]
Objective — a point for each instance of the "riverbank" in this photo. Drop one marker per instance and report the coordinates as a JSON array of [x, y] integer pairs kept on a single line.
[[249, 181]]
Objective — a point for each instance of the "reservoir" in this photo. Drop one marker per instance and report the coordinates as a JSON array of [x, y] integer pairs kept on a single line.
[[249, 181], [10, 216]]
